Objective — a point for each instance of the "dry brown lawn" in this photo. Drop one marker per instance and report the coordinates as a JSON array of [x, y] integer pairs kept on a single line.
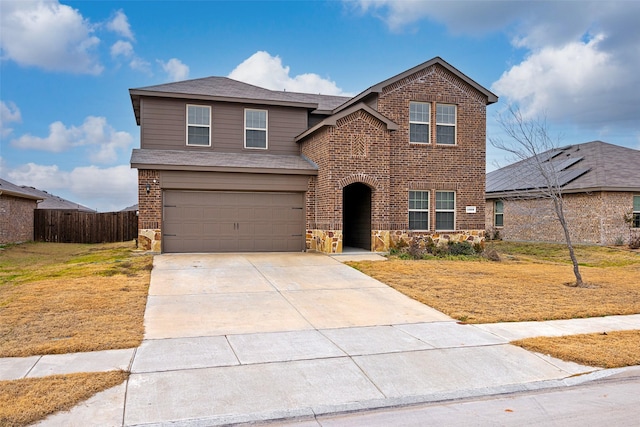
[[529, 283], [65, 298], [607, 350], [28, 400]]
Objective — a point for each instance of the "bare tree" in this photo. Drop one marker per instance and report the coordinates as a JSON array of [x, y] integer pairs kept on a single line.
[[529, 142]]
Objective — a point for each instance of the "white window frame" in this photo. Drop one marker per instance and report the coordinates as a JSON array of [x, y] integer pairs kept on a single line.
[[427, 210], [208, 107], [428, 122], [496, 213], [635, 213], [265, 130], [453, 210], [454, 124]]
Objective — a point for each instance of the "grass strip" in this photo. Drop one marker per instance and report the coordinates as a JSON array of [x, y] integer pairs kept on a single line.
[[606, 350], [25, 401]]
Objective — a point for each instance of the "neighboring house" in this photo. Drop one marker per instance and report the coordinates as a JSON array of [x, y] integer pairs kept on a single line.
[[225, 166], [51, 201], [600, 184], [16, 213], [130, 208]]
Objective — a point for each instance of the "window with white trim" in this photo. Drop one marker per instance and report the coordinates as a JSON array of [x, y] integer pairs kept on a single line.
[[418, 210], [636, 212], [199, 125], [255, 128], [498, 213], [445, 210], [419, 113], [445, 124]]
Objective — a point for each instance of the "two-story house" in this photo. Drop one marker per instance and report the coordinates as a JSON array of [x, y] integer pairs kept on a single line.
[[225, 166]]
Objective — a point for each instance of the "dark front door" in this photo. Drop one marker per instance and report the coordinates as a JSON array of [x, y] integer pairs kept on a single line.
[[356, 216]]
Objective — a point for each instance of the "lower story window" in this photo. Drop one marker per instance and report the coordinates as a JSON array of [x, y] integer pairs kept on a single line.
[[498, 212], [445, 210], [636, 212], [418, 210]]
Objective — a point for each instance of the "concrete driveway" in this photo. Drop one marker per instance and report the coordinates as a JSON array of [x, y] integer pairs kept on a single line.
[[248, 337]]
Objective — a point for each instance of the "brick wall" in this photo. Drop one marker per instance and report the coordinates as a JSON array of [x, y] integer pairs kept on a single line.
[[360, 149], [149, 210], [16, 219], [593, 218]]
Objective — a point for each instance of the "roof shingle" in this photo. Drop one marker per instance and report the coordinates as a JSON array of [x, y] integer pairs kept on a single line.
[[592, 166]]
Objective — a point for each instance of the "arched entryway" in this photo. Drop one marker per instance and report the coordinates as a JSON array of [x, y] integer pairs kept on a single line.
[[356, 216]]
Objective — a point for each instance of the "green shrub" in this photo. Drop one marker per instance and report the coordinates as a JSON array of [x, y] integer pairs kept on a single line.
[[461, 248]]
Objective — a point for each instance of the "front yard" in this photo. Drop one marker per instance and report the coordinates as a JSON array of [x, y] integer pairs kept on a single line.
[[529, 283], [63, 298]]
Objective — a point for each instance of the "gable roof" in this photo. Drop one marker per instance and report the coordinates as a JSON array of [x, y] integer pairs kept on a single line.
[[226, 89], [591, 166], [377, 88], [51, 201], [11, 189], [333, 119]]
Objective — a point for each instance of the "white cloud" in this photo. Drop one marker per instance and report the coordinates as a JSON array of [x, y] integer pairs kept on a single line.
[[48, 35], [9, 113], [140, 64], [104, 189], [555, 80], [175, 69], [122, 48], [120, 25], [103, 140], [262, 69], [581, 58]]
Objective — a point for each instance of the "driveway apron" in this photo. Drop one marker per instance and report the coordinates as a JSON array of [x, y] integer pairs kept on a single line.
[[248, 337]]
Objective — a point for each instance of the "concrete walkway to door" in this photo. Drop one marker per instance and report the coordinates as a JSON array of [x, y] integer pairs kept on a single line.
[[236, 338]]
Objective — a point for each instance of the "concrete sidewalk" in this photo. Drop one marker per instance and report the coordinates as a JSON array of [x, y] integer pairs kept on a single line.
[[242, 338]]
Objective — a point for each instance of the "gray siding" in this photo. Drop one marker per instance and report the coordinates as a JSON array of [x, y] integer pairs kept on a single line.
[[188, 180], [163, 126]]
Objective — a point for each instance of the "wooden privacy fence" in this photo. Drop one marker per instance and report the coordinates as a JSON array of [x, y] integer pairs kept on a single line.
[[51, 225]]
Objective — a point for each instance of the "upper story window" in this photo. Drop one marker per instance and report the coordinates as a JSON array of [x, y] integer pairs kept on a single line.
[[445, 124], [498, 213], [636, 212], [255, 128], [198, 125], [419, 113], [418, 210], [445, 210]]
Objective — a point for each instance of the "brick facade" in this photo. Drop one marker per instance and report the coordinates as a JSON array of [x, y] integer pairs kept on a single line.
[[149, 210], [16, 219], [359, 148], [593, 218]]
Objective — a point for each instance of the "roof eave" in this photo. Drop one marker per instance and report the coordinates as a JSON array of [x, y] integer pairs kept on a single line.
[[202, 97], [19, 195], [532, 192], [236, 169]]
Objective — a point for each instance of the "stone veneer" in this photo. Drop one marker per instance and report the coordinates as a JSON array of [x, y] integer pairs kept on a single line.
[[383, 240]]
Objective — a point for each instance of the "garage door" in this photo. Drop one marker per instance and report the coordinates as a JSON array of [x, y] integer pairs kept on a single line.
[[217, 221]]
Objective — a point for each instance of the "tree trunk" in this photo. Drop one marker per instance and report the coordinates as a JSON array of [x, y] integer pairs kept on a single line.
[[557, 202]]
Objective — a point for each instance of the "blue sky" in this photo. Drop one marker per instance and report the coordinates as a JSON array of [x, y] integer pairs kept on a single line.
[[67, 126]]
